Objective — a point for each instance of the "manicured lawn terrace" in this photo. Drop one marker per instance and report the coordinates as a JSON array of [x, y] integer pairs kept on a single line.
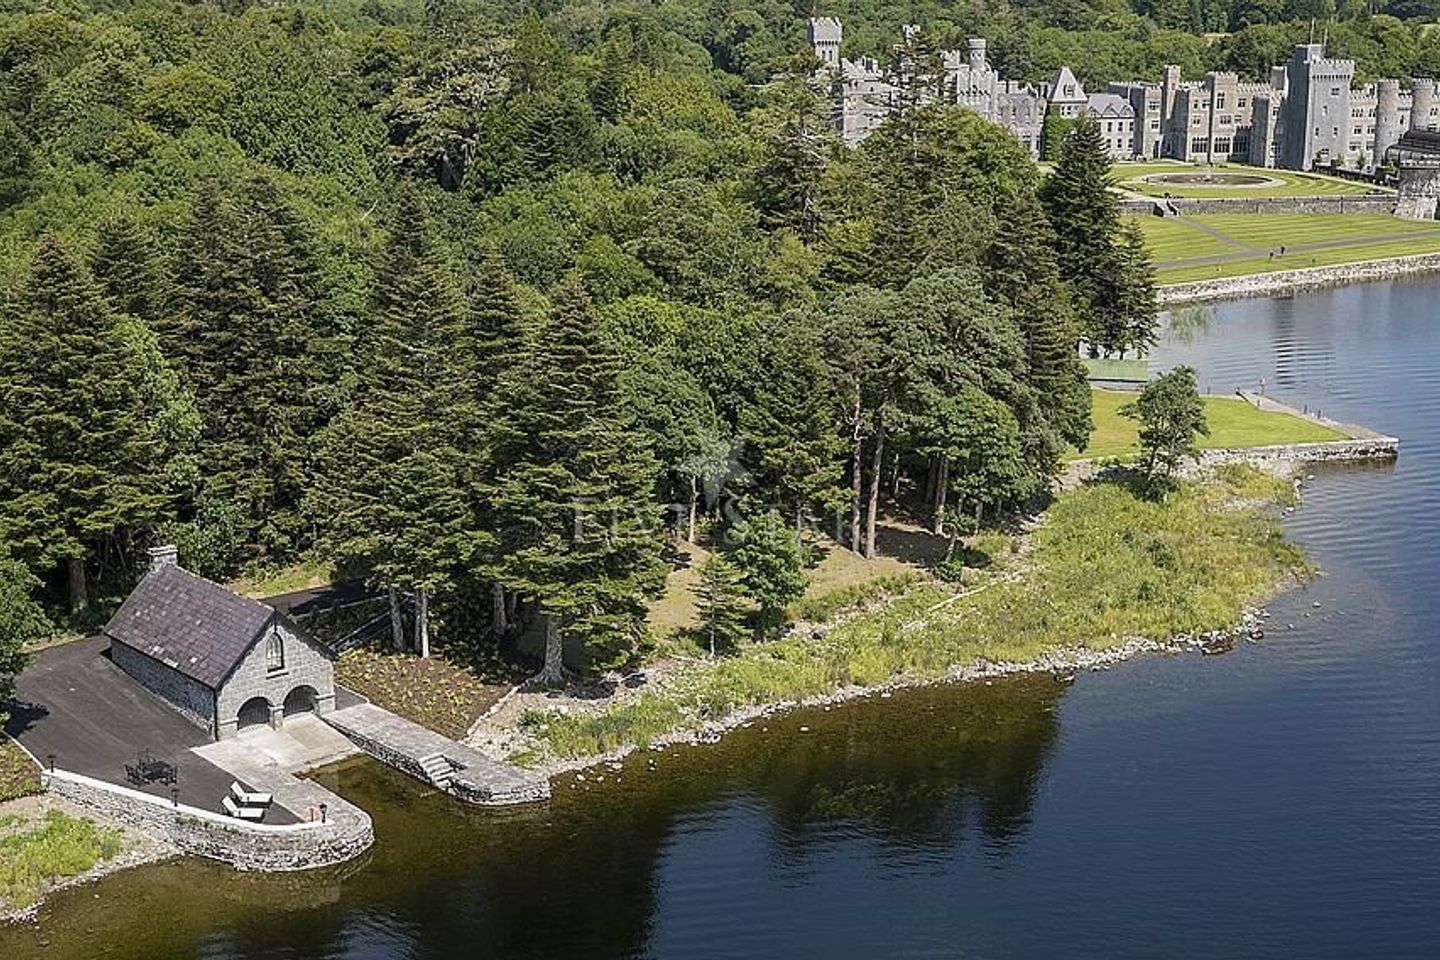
[[1233, 423], [1212, 246], [1291, 183]]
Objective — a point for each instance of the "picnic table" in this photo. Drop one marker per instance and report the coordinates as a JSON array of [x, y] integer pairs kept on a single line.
[[149, 768]]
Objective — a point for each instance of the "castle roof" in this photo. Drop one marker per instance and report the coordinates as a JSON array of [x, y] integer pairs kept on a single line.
[[1064, 88], [1109, 105]]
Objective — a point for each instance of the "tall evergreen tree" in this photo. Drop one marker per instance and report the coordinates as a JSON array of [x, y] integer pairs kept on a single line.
[[125, 262], [247, 300], [575, 489], [390, 477], [76, 467]]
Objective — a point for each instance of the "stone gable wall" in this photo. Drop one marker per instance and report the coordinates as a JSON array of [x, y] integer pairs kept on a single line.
[[306, 664]]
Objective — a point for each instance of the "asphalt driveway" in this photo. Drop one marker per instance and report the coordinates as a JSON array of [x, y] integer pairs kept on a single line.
[[74, 703]]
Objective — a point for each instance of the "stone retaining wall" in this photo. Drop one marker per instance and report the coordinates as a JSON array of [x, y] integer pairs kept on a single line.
[[245, 846], [1294, 281], [1371, 448], [1189, 207]]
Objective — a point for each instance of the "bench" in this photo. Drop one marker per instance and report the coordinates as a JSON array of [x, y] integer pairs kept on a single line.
[[248, 799], [243, 813]]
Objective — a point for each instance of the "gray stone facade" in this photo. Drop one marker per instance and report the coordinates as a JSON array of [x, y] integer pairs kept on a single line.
[[192, 698], [307, 675], [1305, 112]]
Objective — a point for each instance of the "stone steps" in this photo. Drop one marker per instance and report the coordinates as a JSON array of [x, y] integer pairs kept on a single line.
[[438, 769]]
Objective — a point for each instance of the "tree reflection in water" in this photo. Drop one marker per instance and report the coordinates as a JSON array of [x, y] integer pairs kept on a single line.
[[924, 770]]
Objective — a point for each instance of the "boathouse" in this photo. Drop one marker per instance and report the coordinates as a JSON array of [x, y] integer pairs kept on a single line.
[[224, 661]]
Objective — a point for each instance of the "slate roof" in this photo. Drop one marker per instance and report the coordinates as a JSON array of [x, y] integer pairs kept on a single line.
[[188, 623]]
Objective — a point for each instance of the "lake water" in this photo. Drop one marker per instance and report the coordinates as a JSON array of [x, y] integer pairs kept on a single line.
[[1280, 801]]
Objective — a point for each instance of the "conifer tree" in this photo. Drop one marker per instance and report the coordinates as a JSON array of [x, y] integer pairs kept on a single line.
[[389, 475], [76, 467], [575, 489], [21, 622], [771, 564], [125, 263], [721, 601], [248, 297]]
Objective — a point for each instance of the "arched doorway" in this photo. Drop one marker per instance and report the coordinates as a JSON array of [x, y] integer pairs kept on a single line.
[[300, 700], [254, 712]]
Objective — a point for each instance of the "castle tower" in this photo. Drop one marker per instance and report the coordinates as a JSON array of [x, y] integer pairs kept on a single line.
[[1423, 106], [977, 55], [1387, 118], [825, 36]]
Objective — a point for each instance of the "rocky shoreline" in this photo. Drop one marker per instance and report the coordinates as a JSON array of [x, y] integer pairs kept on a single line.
[[1065, 663], [1296, 281]]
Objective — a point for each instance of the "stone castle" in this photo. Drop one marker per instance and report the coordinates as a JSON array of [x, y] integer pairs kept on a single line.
[[1307, 113]]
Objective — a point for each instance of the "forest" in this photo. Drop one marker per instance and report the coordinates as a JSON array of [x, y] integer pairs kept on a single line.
[[487, 304]]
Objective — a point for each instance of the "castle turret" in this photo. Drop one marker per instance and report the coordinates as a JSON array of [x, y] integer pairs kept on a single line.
[[977, 55], [1422, 108], [825, 36], [1387, 118]]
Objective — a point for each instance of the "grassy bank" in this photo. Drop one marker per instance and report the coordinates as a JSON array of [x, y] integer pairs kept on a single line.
[[19, 777], [1104, 567], [1214, 246], [1233, 423], [59, 846]]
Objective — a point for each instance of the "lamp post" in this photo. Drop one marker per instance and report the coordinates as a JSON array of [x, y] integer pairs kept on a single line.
[[51, 758], [175, 796], [324, 813]]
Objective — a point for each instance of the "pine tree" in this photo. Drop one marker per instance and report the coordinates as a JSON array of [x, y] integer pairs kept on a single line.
[[575, 489], [1134, 320], [389, 475], [76, 467], [1085, 216], [21, 622], [248, 298], [720, 598], [126, 265], [789, 427]]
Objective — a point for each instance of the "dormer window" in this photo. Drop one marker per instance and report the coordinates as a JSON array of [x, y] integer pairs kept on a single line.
[[274, 653]]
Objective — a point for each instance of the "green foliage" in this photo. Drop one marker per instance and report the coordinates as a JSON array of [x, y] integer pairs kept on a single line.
[[61, 846], [720, 598], [1106, 567], [1172, 419], [21, 622], [771, 561]]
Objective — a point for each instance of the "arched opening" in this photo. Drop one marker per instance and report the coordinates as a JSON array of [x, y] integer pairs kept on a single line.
[[300, 700], [254, 712]]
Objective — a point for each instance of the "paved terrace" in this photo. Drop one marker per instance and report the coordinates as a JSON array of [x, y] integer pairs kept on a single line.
[[74, 703]]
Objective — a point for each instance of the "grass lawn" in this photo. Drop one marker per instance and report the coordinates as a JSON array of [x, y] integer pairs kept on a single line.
[[1311, 240], [305, 575], [19, 777], [1291, 183], [59, 846], [1106, 566], [1233, 423]]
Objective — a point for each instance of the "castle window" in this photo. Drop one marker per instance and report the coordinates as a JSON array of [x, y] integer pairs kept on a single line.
[[274, 653]]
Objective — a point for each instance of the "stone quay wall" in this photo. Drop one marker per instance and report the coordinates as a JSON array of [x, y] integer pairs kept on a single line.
[[1295, 281], [1367, 448], [1193, 206], [477, 780], [245, 846]]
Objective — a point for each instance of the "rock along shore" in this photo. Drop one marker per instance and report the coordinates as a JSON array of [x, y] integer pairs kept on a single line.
[[1063, 662], [1295, 281]]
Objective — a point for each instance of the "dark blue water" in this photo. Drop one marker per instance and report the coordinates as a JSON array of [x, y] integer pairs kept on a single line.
[[1280, 801]]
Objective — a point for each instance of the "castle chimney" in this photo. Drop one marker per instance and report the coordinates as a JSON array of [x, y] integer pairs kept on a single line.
[[167, 555]]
